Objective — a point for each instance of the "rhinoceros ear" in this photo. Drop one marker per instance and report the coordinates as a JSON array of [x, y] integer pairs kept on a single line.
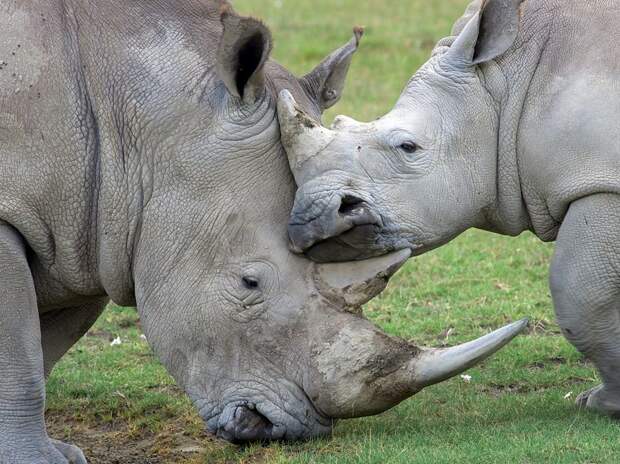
[[244, 48], [326, 82], [487, 35]]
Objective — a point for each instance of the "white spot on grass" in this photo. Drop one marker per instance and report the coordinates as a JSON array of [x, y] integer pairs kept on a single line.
[[568, 395], [117, 341], [466, 378]]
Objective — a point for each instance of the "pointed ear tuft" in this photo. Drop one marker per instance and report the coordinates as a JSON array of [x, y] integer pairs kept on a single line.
[[358, 33], [326, 82], [243, 51], [225, 9]]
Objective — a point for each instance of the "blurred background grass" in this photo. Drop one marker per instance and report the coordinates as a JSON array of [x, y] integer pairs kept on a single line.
[[518, 406]]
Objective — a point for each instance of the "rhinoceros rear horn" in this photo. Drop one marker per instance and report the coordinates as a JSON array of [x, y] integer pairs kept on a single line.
[[353, 284]]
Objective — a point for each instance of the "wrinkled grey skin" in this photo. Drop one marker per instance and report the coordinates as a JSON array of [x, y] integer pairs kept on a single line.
[[140, 160], [512, 125]]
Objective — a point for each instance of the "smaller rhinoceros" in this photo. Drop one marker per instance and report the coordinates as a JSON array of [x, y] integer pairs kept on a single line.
[[140, 160], [512, 125]]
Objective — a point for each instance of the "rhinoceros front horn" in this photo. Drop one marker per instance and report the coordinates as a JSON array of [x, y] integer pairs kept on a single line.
[[302, 137], [363, 371], [437, 364]]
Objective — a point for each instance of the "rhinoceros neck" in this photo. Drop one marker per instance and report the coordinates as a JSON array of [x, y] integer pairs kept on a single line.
[[135, 71], [108, 232], [508, 80]]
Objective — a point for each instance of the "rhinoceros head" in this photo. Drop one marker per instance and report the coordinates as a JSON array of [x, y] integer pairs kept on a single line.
[[416, 177], [267, 344]]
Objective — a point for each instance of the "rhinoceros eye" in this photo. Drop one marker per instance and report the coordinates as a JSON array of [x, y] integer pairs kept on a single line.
[[409, 147], [251, 283]]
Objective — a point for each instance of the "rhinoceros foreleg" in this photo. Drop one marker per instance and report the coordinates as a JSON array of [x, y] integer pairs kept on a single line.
[[61, 329], [585, 283], [23, 437]]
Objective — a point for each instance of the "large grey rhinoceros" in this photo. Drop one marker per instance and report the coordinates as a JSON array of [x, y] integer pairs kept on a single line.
[[511, 126], [140, 160]]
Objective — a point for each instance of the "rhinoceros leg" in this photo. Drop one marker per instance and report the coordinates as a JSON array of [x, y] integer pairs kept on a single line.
[[23, 437], [585, 283], [61, 329]]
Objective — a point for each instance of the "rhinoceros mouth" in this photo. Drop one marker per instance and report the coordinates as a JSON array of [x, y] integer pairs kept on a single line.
[[263, 420], [369, 241], [363, 242], [244, 423], [252, 422]]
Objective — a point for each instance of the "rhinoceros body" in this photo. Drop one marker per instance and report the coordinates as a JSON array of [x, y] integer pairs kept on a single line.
[[512, 125], [140, 160]]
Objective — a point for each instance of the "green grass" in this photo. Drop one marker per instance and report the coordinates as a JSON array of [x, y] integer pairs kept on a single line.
[[119, 401]]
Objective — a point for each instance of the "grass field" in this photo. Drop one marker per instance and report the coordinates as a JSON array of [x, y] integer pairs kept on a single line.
[[118, 402]]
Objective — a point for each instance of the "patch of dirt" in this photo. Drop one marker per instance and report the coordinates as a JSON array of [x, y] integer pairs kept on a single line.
[[116, 444], [100, 334], [516, 388], [559, 361]]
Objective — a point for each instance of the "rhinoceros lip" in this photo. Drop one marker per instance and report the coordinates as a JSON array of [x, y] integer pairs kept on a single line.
[[233, 421], [246, 423], [357, 243]]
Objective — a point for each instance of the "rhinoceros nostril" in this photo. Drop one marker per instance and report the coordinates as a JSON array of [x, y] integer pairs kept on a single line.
[[350, 205]]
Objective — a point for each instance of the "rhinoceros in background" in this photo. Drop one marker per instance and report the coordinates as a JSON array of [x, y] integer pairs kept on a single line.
[[140, 160], [510, 126]]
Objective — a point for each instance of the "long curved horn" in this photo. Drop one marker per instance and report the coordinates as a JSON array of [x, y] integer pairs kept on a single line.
[[362, 371], [435, 365]]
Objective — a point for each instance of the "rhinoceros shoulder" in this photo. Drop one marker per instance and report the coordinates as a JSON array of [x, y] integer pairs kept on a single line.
[[568, 130]]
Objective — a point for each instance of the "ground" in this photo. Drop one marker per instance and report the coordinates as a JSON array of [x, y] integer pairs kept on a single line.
[[120, 406]]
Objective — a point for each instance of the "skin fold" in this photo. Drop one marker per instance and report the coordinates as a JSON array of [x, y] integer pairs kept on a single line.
[[141, 161], [510, 126]]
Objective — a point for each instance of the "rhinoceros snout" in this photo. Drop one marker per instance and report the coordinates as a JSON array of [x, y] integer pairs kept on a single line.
[[316, 219]]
